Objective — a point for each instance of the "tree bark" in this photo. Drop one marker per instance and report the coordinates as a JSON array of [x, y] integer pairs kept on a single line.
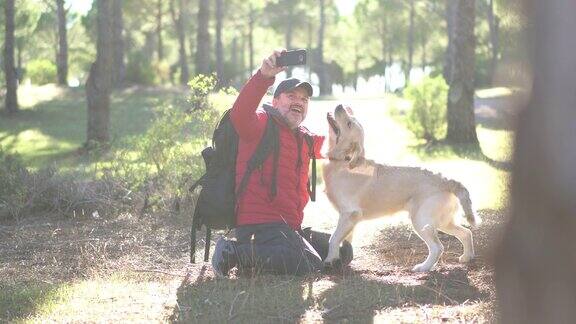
[[461, 124], [179, 23], [119, 71], [62, 56], [251, 21], [219, 48], [288, 38], [410, 41], [159, 14], [536, 258], [325, 87], [494, 25], [450, 16], [203, 38], [99, 83], [11, 101]]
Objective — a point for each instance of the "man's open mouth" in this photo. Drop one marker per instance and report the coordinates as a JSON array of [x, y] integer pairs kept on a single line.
[[332, 123], [296, 109]]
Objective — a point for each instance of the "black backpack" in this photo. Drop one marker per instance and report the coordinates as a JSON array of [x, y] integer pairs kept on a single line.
[[216, 204]]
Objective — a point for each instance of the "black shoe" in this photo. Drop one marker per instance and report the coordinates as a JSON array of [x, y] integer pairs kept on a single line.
[[224, 257]]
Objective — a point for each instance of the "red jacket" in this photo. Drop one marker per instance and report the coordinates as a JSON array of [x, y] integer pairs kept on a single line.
[[254, 205]]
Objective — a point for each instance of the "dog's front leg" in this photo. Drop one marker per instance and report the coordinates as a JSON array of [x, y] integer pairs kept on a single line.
[[345, 226]]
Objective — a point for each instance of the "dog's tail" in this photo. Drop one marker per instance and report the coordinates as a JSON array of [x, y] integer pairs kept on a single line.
[[461, 192]]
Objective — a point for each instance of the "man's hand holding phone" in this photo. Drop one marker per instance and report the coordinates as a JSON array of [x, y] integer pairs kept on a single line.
[[280, 59], [269, 68]]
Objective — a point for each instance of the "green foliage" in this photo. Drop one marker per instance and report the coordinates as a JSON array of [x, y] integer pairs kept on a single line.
[[162, 162], [41, 71], [139, 70], [427, 119]]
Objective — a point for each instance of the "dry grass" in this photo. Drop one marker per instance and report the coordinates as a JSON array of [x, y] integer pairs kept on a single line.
[[85, 269], [377, 286]]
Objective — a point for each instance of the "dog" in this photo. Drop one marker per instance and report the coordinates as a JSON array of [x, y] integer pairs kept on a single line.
[[361, 189]]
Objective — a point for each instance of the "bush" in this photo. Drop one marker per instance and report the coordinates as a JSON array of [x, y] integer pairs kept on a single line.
[[139, 70], [427, 119], [24, 192], [41, 72], [162, 163]]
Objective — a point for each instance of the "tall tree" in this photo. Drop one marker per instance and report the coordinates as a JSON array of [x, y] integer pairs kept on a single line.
[[219, 47], [159, 14], [536, 258], [324, 84], [411, 27], [494, 25], [99, 83], [203, 38], [461, 124], [62, 56], [11, 102], [179, 24], [119, 71], [287, 17], [251, 22]]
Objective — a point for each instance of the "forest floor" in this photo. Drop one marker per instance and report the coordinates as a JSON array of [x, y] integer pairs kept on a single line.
[[116, 268]]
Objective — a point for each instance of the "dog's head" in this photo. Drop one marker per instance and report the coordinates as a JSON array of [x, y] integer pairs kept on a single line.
[[346, 137]]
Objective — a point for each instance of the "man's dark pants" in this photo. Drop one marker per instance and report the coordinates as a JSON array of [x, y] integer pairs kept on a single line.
[[275, 248]]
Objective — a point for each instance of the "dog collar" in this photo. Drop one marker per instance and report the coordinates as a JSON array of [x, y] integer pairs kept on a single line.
[[335, 159]]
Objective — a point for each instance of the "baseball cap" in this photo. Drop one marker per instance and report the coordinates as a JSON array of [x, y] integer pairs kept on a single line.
[[291, 84]]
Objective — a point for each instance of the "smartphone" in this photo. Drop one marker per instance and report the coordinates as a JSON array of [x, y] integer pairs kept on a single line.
[[294, 57]]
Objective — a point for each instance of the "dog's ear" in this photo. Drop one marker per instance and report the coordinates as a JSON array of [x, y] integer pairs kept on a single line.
[[357, 155], [349, 110]]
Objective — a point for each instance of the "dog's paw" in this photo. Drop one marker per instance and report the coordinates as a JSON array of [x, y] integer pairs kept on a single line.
[[465, 258], [421, 268]]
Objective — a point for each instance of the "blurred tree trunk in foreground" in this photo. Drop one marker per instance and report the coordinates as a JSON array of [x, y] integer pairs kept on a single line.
[[536, 259], [99, 83], [9, 68]]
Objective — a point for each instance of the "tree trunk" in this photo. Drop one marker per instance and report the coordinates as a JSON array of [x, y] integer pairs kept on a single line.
[[309, 45], [219, 48], [62, 56], [494, 24], [461, 124], [410, 41], [99, 83], [203, 38], [159, 13], [179, 24], [450, 16], [234, 60], [251, 37], [535, 260], [11, 103], [288, 40], [119, 71], [325, 88]]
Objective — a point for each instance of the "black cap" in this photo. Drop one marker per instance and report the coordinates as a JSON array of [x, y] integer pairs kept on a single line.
[[291, 84]]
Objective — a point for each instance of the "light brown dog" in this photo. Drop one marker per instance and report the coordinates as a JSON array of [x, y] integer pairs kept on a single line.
[[362, 189]]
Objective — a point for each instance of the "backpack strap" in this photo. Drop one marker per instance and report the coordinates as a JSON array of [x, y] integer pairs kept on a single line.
[[311, 153], [269, 142]]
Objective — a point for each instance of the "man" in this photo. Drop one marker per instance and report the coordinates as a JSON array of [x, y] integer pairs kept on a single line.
[[268, 233]]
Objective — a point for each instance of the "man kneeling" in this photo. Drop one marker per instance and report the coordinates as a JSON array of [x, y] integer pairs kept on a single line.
[[269, 212]]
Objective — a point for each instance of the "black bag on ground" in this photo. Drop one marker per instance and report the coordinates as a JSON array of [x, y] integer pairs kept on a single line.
[[216, 204]]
